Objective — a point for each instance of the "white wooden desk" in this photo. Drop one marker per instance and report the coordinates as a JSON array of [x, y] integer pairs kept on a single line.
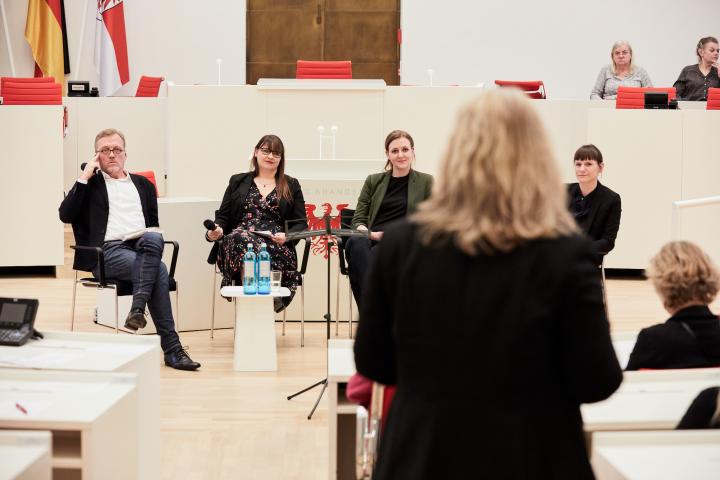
[[255, 344], [91, 417], [105, 352], [25, 455], [648, 400], [31, 152], [341, 412], [670, 455]]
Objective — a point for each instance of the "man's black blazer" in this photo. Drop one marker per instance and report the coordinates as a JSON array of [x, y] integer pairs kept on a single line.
[[86, 207], [233, 206], [688, 339], [604, 216]]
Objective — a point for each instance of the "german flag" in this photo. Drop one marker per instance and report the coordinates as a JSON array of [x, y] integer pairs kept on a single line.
[[46, 33]]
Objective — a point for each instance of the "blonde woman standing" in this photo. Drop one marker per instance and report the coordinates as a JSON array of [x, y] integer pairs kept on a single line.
[[486, 310]]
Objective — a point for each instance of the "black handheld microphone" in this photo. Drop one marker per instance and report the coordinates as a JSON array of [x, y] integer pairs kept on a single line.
[[209, 225]]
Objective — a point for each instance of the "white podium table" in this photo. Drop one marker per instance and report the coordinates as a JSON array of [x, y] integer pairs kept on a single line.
[[648, 400], [255, 345], [25, 455], [92, 417], [657, 455], [104, 352]]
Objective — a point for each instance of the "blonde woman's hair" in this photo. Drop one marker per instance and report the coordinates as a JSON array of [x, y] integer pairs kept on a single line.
[[682, 274], [617, 44], [498, 185]]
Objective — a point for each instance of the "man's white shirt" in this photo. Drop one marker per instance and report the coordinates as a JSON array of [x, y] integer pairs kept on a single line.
[[125, 213]]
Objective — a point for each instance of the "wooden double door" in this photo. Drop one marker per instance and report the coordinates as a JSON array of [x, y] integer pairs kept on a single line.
[[280, 32]]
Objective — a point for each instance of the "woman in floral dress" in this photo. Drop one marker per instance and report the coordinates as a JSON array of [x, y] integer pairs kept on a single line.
[[263, 199]]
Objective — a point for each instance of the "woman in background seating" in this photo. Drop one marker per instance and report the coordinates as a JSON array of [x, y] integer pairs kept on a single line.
[[694, 80], [261, 199], [621, 72], [595, 207], [385, 197], [687, 282], [485, 310]]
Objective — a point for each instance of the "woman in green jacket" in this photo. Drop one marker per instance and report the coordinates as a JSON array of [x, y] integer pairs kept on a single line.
[[384, 198]]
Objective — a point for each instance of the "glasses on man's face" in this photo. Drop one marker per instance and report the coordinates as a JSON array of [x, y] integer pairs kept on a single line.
[[267, 152], [108, 151]]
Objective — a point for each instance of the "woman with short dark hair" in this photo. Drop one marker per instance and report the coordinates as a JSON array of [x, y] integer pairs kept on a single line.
[[595, 207]]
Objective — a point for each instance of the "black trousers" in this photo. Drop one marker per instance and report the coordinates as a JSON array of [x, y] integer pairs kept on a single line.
[[359, 252]]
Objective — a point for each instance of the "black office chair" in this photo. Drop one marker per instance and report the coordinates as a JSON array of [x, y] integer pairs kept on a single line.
[[346, 216], [120, 287]]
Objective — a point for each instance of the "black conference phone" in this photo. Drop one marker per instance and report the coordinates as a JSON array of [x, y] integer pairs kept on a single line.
[[17, 318]]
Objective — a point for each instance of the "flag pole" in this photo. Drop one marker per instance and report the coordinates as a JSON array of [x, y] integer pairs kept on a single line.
[[7, 37], [82, 40]]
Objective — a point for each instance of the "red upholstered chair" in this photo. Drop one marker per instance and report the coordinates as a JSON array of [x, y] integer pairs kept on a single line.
[[534, 89], [322, 69], [713, 101], [24, 80], [31, 93], [150, 175], [149, 86], [634, 97]]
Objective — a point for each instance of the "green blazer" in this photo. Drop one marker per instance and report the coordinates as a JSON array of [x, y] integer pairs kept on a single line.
[[373, 192]]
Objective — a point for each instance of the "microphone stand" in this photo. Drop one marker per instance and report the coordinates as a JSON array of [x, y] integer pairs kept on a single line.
[[330, 234]]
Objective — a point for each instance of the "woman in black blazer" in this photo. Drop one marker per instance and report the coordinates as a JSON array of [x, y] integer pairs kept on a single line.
[[263, 199], [484, 310], [687, 282], [595, 207]]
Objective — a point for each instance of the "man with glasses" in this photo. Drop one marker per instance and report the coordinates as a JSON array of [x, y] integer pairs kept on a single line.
[[106, 206]]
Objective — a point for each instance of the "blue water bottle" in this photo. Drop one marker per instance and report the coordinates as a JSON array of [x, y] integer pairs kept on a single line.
[[249, 273], [263, 270]]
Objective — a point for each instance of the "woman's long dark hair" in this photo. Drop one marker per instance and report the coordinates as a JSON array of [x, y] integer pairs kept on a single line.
[[273, 143]]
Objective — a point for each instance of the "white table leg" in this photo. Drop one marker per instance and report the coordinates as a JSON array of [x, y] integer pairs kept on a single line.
[[255, 348]]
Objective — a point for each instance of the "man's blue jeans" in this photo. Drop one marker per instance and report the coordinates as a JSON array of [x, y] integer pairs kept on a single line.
[[139, 261]]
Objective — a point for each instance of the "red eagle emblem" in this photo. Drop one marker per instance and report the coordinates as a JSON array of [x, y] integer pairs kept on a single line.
[[319, 245]]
